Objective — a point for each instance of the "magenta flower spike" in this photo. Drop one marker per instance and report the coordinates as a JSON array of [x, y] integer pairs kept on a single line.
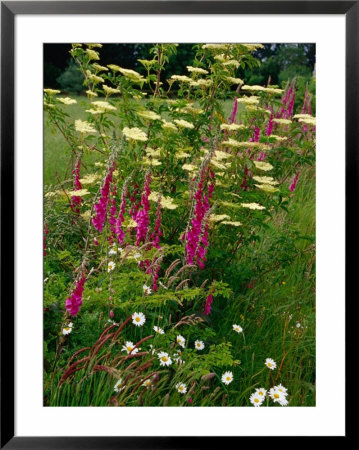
[[74, 302], [208, 305], [142, 216], [294, 182], [99, 219], [234, 111]]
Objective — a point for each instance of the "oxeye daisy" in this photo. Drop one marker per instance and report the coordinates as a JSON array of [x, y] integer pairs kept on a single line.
[[256, 399], [146, 289], [199, 345], [118, 386], [261, 392], [181, 388], [281, 389], [270, 363], [158, 330], [178, 357], [147, 383], [67, 329], [277, 396], [113, 250], [110, 266], [129, 348], [152, 349], [227, 377], [165, 360], [237, 328], [181, 341], [138, 319]]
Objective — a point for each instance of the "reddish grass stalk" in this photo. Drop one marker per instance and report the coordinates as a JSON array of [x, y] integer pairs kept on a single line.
[[142, 340], [77, 353], [107, 330], [121, 328], [101, 344], [68, 373]]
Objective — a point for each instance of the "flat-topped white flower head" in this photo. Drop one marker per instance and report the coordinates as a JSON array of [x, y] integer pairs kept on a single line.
[[227, 377], [84, 127], [181, 388], [164, 358], [138, 319], [199, 345], [270, 363]]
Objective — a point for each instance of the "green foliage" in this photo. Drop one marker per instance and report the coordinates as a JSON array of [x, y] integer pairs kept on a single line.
[[71, 79]]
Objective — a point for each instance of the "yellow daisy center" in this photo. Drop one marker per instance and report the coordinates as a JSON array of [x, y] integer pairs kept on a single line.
[[137, 319], [260, 393], [228, 378], [67, 328], [164, 358], [180, 388], [276, 395], [269, 364], [129, 348], [256, 400]]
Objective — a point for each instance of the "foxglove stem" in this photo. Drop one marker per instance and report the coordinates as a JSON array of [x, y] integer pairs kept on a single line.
[[121, 217], [234, 111], [75, 199], [46, 232]]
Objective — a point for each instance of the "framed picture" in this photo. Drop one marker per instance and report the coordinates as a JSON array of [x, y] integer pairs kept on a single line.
[[170, 214]]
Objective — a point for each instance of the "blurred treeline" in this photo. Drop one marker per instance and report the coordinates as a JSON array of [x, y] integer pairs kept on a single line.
[[280, 63]]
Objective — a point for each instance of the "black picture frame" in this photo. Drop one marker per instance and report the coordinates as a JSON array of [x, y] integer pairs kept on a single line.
[[9, 9]]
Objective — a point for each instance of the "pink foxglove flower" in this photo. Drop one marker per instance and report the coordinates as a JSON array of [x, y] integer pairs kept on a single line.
[[101, 206], [197, 236], [155, 237], [74, 302], [294, 182], [208, 305], [234, 111], [269, 129], [142, 216]]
